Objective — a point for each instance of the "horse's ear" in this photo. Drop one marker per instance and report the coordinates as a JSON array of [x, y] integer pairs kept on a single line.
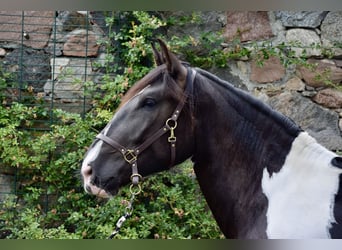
[[173, 64], [157, 56]]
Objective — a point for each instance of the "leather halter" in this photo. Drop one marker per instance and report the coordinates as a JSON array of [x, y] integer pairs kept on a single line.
[[131, 154]]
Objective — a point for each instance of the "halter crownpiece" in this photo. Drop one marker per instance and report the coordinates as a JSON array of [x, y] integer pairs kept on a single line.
[[131, 155]]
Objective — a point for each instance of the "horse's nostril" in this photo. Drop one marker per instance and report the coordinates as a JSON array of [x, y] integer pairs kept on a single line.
[[87, 171], [88, 189]]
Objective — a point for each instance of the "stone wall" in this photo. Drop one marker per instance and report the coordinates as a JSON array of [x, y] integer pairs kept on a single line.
[[50, 55], [54, 53], [294, 91]]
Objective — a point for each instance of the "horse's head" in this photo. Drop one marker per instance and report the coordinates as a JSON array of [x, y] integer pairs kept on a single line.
[[139, 137]]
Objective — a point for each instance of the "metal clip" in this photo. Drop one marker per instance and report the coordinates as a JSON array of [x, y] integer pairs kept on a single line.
[[121, 221], [172, 138], [172, 125]]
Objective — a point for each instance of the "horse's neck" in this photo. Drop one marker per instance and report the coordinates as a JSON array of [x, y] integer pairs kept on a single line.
[[258, 170], [231, 152]]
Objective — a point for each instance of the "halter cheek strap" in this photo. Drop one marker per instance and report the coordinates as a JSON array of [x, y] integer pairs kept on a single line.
[[131, 155]]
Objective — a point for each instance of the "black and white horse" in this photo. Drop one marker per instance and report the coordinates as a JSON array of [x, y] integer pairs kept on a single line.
[[261, 175]]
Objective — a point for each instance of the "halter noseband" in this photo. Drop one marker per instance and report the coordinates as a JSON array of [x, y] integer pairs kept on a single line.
[[131, 154]]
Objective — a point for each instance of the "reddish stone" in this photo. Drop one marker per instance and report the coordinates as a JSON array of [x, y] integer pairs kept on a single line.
[[295, 84], [325, 70], [35, 32], [329, 98], [247, 26], [2, 52], [81, 43], [271, 71]]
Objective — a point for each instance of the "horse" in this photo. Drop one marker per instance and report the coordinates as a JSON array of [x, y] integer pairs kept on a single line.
[[262, 176]]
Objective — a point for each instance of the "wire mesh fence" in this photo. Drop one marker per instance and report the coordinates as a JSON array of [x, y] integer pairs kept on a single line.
[[46, 60], [47, 55]]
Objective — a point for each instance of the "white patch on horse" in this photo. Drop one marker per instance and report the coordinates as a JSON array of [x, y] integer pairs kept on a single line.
[[301, 195]]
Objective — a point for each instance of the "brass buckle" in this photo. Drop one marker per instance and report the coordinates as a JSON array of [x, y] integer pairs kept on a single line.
[[130, 156]]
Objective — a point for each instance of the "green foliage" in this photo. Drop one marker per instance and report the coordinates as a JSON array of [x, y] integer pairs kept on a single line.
[[170, 206], [135, 52], [25, 223], [6, 81], [50, 201], [44, 148]]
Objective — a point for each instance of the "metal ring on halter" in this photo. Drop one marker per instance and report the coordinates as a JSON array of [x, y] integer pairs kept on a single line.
[[137, 187], [174, 123]]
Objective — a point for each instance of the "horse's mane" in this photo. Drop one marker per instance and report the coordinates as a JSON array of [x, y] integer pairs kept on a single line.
[[282, 120], [255, 104]]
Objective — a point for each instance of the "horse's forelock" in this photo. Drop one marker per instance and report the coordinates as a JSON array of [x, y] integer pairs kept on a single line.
[[174, 89], [152, 76]]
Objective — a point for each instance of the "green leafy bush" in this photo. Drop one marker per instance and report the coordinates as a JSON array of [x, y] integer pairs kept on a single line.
[[43, 148]]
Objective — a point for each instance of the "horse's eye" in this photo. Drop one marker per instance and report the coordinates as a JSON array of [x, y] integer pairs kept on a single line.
[[149, 102]]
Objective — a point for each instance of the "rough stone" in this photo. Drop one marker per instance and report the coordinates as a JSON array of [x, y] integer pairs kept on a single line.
[[71, 20], [338, 63], [247, 26], [6, 185], [295, 84], [329, 98], [68, 22], [69, 79], [68, 84], [28, 66], [212, 21], [243, 67], [331, 31], [227, 75], [36, 31], [271, 71], [81, 43], [303, 19], [59, 64], [309, 93], [2, 52], [305, 38], [324, 70], [319, 122]]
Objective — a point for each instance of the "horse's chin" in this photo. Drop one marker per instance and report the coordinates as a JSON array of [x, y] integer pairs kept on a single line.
[[102, 193]]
